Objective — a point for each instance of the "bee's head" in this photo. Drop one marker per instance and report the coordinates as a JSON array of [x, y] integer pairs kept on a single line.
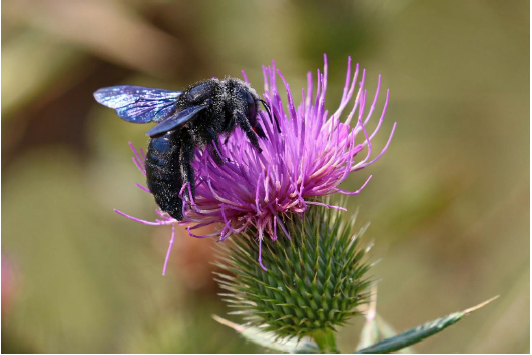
[[251, 101]]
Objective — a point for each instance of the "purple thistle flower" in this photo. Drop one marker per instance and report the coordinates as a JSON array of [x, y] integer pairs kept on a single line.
[[311, 156]]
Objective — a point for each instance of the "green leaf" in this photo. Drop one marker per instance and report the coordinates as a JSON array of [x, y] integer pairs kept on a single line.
[[270, 340], [376, 328], [415, 335], [387, 331]]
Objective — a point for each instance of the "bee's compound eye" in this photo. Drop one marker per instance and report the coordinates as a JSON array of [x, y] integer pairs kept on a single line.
[[252, 105]]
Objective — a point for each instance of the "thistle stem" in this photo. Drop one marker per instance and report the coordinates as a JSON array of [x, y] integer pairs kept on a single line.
[[326, 341]]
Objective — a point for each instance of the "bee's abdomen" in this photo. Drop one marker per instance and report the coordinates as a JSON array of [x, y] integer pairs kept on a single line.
[[164, 175]]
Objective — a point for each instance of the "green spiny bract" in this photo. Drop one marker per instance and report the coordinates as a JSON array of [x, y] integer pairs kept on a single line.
[[315, 279]]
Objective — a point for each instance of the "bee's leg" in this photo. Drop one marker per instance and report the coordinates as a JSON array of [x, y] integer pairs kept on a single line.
[[213, 147], [187, 155], [230, 124], [243, 122]]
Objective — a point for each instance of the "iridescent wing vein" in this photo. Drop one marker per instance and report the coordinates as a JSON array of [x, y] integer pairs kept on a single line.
[[139, 104]]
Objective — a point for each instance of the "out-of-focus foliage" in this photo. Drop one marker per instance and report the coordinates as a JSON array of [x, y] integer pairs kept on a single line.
[[449, 202]]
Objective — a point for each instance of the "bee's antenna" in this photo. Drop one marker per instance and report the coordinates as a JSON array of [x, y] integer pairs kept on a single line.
[[267, 107]]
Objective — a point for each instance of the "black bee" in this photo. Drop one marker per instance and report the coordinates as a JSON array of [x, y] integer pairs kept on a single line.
[[186, 120]]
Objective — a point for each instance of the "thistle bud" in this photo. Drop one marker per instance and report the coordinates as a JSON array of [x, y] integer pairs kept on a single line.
[[314, 282]]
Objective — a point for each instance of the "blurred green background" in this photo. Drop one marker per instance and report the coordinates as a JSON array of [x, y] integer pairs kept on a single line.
[[449, 201]]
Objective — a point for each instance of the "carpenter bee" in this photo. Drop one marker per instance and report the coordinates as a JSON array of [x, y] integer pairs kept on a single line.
[[185, 120]]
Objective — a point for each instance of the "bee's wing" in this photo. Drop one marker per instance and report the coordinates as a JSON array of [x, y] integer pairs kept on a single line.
[[138, 104], [175, 121]]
